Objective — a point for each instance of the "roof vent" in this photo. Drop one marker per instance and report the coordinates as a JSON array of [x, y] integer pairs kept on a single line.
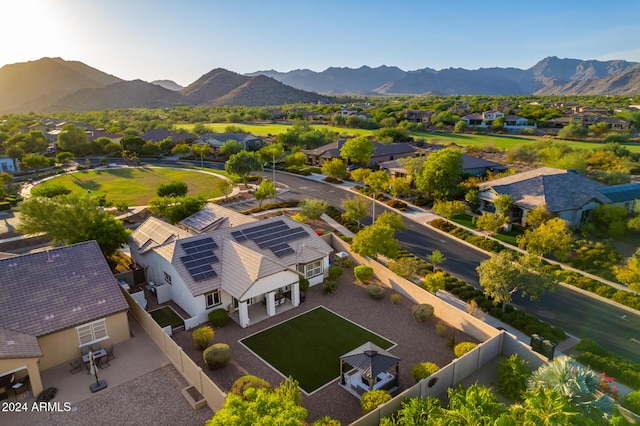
[[11, 342]]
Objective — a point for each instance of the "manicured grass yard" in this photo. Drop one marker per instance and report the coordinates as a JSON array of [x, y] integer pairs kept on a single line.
[[509, 237], [135, 186], [464, 220], [308, 347], [166, 316]]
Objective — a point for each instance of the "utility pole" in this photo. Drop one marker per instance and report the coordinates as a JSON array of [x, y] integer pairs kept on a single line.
[[273, 169]]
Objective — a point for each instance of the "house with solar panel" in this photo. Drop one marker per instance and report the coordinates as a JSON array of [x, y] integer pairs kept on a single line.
[[219, 258], [566, 194]]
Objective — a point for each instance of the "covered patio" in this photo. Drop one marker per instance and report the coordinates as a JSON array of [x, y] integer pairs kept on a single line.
[[371, 365]]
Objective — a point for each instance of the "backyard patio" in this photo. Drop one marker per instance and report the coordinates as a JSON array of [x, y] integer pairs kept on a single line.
[[416, 342]]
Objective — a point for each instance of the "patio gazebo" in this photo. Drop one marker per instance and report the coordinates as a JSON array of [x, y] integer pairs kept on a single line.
[[371, 363]]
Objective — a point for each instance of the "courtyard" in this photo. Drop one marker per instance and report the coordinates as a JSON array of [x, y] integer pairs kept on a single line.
[[415, 343]]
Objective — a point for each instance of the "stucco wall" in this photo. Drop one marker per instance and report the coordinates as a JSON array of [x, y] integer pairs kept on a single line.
[[22, 367]]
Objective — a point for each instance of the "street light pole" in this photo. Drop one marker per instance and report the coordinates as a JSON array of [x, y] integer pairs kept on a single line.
[[273, 169]]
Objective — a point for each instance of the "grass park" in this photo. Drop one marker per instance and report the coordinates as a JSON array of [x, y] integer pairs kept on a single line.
[[441, 138], [135, 186], [308, 347]]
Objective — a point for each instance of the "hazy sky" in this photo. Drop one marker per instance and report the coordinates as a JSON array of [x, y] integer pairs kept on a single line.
[[182, 40]]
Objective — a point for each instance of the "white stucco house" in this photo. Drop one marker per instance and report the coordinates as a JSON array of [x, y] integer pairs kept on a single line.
[[566, 194], [219, 258], [511, 122]]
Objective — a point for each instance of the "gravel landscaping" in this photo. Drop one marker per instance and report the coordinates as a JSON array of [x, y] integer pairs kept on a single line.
[[417, 342]]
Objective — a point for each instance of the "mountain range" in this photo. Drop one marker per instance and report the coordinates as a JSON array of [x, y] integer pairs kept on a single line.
[[52, 85]]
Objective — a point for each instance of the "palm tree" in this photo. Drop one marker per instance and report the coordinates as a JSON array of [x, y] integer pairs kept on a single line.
[[577, 383]]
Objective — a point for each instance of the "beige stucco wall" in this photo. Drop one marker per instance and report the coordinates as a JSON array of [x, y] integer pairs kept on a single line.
[[32, 370], [64, 346]]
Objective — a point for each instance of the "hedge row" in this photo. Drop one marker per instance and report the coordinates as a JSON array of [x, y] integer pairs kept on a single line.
[[600, 359], [278, 205]]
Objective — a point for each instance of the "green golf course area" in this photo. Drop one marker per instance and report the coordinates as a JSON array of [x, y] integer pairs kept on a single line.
[[135, 186]]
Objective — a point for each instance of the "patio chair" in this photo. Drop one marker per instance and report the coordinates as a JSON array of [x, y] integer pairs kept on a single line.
[[95, 347], [76, 366], [109, 356]]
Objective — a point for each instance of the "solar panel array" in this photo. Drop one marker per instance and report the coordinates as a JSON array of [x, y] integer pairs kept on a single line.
[[199, 257], [275, 236]]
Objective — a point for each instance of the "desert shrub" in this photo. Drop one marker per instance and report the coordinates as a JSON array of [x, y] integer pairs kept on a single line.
[[202, 337], [397, 204], [347, 263], [363, 273], [632, 402], [218, 317], [396, 298], [512, 377], [326, 421], [335, 272], [329, 287], [248, 382], [463, 347], [217, 355], [372, 399], [422, 312], [375, 291], [50, 191], [304, 284], [442, 329], [423, 370], [174, 188]]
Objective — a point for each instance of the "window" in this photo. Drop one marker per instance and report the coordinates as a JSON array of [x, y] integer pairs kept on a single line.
[[311, 270], [167, 278], [92, 332], [212, 299]]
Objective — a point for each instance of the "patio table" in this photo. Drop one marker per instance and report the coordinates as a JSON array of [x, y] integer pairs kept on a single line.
[[97, 354]]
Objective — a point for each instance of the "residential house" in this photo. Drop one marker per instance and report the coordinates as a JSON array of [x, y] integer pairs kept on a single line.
[[417, 115], [566, 194], [381, 152], [158, 135], [470, 165], [7, 165], [216, 140], [53, 303], [219, 258], [511, 122]]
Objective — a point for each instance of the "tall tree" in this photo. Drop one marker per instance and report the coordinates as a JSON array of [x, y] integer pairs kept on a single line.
[[35, 161], [440, 173], [504, 205], [271, 153], [355, 208], [378, 181], [70, 137], [243, 164], [503, 274], [226, 187], [72, 218], [334, 168], [374, 240], [553, 236], [266, 189], [357, 150], [230, 147], [449, 209]]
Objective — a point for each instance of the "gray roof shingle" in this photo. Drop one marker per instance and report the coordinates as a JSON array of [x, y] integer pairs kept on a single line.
[[52, 290]]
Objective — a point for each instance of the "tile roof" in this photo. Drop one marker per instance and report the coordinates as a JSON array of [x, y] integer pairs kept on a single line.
[[63, 287], [332, 150], [621, 193], [158, 135], [154, 233], [14, 344], [212, 216], [558, 189], [306, 249]]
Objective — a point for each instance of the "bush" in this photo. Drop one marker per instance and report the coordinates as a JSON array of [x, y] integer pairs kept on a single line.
[[632, 402], [202, 337], [512, 377], [347, 263], [248, 382], [363, 273], [4, 205], [423, 370], [304, 284], [218, 317], [396, 298], [397, 204], [50, 191], [422, 312], [329, 287], [217, 355], [375, 291], [372, 399], [442, 329], [326, 421], [335, 272], [174, 188], [463, 347]]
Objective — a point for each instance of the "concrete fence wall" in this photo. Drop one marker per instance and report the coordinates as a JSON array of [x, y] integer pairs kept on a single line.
[[450, 375], [191, 372]]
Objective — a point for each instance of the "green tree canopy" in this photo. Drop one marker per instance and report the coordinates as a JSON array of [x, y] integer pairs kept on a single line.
[[391, 220], [174, 209], [449, 209], [174, 188], [243, 164], [70, 219], [503, 274], [230, 147], [35, 161], [360, 175], [297, 159], [266, 189], [357, 150], [71, 137], [312, 208], [374, 240], [355, 208], [440, 173], [504, 205], [552, 236], [378, 181], [490, 222], [335, 168], [270, 153]]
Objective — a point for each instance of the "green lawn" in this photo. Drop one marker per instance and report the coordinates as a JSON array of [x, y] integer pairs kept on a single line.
[[166, 316], [308, 347], [509, 237], [464, 220], [135, 186], [462, 139]]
